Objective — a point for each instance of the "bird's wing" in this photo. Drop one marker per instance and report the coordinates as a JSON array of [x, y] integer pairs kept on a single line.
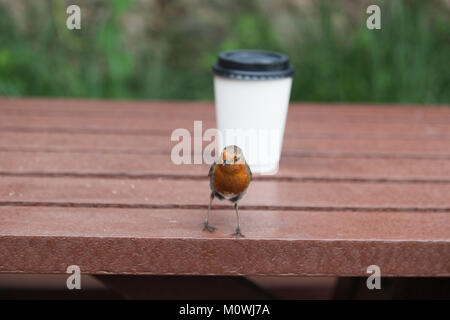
[[211, 170], [249, 172], [211, 176]]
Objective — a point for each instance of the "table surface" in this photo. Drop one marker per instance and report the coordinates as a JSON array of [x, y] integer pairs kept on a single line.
[[91, 183]]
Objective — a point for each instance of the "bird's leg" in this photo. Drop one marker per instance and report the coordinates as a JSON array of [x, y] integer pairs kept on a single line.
[[238, 228], [206, 226]]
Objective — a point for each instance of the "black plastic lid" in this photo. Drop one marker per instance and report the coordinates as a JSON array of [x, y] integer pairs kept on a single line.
[[253, 65]]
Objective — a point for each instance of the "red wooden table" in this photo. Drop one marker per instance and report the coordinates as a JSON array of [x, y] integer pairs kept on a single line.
[[91, 183]]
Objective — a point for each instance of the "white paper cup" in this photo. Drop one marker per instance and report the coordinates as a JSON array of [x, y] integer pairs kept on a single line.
[[252, 90]]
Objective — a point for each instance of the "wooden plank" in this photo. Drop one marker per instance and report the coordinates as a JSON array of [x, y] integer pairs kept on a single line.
[[147, 125], [132, 165], [94, 143], [123, 115], [311, 111], [120, 241], [261, 194]]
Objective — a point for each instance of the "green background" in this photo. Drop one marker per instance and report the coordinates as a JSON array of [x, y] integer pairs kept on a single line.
[[165, 49]]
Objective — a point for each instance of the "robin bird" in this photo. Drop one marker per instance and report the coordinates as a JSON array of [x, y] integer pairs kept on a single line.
[[229, 179]]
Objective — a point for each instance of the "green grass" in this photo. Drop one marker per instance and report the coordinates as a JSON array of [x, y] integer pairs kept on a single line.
[[336, 58]]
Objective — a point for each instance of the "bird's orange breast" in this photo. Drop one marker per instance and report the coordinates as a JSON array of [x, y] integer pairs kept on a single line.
[[231, 180]]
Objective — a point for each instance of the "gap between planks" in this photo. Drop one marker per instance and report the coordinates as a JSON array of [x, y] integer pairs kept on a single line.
[[330, 155], [288, 133], [337, 155], [198, 177], [219, 207]]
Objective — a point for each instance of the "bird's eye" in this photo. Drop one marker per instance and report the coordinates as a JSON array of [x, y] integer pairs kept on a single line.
[[236, 159]]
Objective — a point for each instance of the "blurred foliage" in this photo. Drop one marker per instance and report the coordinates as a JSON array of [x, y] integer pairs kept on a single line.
[[164, 49]]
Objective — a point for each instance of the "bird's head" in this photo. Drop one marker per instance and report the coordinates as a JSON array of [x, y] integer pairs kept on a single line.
[[231, 155]]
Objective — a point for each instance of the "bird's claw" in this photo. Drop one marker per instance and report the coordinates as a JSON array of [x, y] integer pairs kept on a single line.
[[238, 233], [206, 226]]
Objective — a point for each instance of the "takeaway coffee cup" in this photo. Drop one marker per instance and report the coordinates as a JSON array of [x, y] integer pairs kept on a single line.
[[252, 89]]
